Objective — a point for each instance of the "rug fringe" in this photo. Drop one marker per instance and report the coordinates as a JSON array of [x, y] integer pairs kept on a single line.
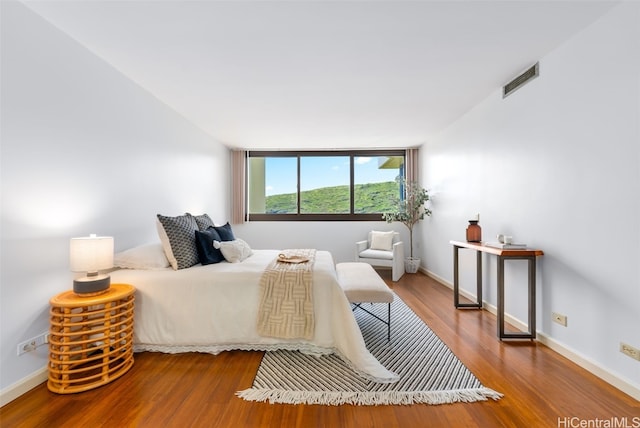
[[368, 398]]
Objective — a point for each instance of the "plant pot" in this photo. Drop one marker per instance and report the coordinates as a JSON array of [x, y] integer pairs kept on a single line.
[[411, 264]]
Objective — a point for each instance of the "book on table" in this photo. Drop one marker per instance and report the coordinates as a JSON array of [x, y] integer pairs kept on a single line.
[[512, 246]]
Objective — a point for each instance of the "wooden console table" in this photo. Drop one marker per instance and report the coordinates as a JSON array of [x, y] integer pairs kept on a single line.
[[502, 254]]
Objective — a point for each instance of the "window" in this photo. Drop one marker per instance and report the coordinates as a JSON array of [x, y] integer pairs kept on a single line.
[[355, 185], [325, 185]]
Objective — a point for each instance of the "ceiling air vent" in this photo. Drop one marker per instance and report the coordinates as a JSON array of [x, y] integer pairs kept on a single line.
[[519, 81]]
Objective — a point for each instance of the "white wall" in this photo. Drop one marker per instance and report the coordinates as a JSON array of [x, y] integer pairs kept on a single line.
[[84, 150], [338, 237], [556, 165]]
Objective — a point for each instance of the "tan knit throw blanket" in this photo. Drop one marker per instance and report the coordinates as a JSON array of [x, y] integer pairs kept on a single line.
[[286, 301]]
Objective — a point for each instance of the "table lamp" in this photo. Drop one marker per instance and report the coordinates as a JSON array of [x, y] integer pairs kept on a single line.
[[91, 254]]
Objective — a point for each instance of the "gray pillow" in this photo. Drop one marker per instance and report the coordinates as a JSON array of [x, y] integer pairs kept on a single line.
[[203, 221], [177, 235]]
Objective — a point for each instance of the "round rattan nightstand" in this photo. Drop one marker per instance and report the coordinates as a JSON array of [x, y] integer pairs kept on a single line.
[[91, 339]]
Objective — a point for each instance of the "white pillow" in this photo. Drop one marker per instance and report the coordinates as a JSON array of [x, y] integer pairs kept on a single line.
[[148, 256], [381, 240], [233, 251]]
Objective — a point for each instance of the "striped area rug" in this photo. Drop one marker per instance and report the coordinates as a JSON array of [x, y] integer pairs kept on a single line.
[[429, 372]]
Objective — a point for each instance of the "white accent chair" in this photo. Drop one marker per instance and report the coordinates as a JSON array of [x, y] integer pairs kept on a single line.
[[393, 257]]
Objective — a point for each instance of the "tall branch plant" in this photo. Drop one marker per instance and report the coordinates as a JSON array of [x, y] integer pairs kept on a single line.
[[411, 209]]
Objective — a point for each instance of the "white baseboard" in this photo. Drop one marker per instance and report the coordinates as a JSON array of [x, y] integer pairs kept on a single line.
[[562, 349], [23, 386], [590, 366]]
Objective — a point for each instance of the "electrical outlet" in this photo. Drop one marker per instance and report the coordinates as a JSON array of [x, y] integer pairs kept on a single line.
[[33, 343], [630, 351], [559, 318]]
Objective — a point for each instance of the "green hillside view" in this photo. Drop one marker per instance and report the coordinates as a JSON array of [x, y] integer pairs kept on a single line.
[[368, 198]]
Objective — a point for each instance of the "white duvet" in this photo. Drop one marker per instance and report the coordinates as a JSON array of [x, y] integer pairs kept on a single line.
[[213, 308]]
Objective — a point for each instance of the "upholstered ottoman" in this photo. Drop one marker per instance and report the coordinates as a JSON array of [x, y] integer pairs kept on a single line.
[[362, 284]]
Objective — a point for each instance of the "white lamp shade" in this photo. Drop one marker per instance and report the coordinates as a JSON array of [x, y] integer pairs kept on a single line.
[[91, 253]]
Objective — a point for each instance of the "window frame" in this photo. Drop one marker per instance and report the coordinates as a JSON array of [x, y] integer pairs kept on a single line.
[[352, 154]]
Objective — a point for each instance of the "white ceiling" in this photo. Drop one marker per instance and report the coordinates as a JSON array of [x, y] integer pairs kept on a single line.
[[321, 74]]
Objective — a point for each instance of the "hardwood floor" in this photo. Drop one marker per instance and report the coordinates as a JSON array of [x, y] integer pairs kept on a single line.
[[540, 387]]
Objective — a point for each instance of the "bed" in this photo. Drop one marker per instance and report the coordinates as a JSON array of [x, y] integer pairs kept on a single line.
[[213, 308]]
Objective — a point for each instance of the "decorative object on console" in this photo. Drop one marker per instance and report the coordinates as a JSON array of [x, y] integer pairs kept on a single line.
[[474, 231], [502, 246], [410, 210], [91, 254], [505, 242]]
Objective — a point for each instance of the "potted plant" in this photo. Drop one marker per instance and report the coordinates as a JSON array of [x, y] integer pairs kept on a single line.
[[410, 210]]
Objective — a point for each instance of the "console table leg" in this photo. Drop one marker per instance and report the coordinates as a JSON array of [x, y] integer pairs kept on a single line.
[[532, 297], [456, 298], [479, 278], [531, 330], [500, 279], [456, 281]]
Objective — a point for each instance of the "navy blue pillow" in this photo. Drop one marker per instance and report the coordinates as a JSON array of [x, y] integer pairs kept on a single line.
[[204, 244], [225, 232]]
